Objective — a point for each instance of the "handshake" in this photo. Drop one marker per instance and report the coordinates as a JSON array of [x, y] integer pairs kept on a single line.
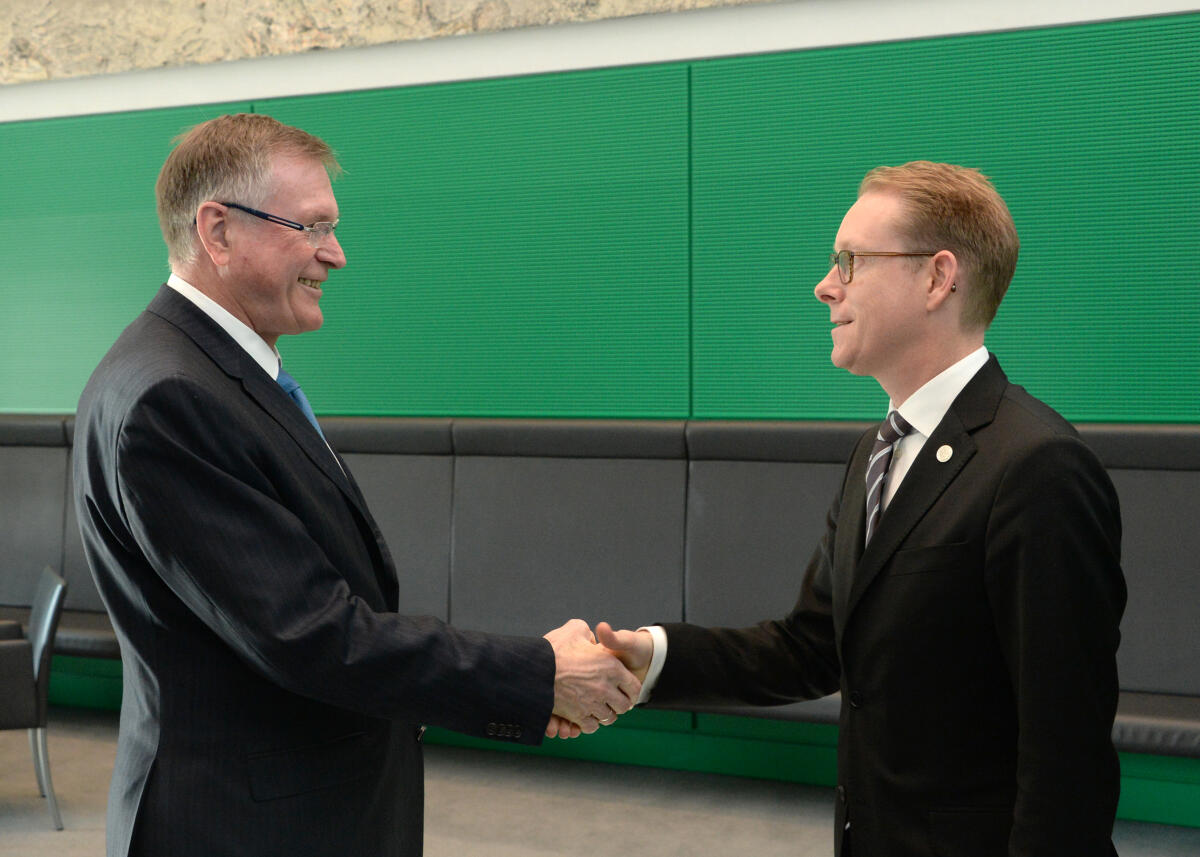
[[596, 677]]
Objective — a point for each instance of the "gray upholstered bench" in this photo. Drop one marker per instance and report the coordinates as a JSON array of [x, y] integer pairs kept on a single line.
[[515, 525], [39, 529]]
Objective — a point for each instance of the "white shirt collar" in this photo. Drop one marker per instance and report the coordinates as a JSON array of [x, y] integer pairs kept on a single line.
[[264, 355], [925, 408]]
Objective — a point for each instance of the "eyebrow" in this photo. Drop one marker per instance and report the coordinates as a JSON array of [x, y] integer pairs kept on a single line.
[[309, 221]]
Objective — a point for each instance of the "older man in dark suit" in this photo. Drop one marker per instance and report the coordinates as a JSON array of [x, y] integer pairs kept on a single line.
[[967, 594], [274, 697]]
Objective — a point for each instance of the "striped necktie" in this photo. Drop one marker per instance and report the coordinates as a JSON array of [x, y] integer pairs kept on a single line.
[[890, 430], [292, 387]]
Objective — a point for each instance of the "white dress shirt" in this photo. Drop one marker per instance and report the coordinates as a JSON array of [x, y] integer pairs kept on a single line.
[[266, 356], [924, 410]]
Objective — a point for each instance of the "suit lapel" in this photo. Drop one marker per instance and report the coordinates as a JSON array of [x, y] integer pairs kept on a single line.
[[925, 482], [852, 524], [272, 399], [235, 362]]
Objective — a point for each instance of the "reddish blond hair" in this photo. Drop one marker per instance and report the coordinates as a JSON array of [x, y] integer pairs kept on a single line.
[[957, 209]]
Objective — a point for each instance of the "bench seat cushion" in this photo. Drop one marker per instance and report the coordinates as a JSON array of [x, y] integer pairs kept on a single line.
[[81, 633], [1160, 723]]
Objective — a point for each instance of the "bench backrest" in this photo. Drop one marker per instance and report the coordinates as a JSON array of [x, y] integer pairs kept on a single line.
[[515, 525]]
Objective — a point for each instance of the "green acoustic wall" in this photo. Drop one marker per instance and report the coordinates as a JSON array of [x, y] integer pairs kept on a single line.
[[515, 247], [643, 242], [1092, 135], [84, 250]]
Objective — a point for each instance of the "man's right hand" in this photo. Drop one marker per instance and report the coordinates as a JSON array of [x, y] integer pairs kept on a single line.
[[591, 687], [634, 648]]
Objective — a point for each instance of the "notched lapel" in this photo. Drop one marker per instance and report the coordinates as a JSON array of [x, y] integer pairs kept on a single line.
[[236, 363], [848, 544], [233, 360], [927, 479], [272, 399]]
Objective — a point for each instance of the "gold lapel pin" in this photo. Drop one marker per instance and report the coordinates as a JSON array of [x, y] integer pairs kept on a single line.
[[944, 453]]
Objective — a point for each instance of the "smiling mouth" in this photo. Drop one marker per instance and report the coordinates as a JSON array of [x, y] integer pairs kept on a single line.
[[312, 284]]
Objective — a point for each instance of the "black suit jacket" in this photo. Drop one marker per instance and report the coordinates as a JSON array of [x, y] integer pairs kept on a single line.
[[272, 694], [973, 641]]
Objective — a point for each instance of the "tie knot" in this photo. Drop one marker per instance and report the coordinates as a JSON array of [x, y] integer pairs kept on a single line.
[[893, 428], [289, 384]]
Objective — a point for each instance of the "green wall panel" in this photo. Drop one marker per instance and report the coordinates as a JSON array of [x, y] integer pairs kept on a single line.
[[643, 242], [1089, 132], [77, 199], [515, 247]]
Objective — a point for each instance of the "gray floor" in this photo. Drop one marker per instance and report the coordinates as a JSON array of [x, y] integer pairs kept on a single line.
[[499, 805]]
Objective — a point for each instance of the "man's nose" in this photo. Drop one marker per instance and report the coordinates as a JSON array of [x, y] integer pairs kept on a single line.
[[830, 289], [331, 253]]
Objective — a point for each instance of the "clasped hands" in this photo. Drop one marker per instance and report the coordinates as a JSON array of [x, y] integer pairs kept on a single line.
[[597, 677]]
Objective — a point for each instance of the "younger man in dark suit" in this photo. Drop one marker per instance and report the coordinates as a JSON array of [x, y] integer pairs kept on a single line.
[[967, 594], [274, 696]]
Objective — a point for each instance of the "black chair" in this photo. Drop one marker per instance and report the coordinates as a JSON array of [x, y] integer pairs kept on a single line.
[[25, 677]]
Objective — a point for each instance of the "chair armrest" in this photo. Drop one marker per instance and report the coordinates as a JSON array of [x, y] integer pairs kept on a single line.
[[10, 629], [18, 691]]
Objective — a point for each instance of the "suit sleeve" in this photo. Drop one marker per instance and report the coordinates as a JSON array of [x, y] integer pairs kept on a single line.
[[202, 498], [772, 663], [1057, 592]]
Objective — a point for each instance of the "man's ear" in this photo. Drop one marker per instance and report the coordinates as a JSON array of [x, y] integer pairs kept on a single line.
[[943, 280], [212, 222]]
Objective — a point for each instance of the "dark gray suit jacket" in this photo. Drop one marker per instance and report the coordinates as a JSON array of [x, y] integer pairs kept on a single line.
[[974, 641], [272, 693]]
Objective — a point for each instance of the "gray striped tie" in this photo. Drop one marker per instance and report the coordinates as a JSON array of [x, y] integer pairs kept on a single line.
[[890, 431]]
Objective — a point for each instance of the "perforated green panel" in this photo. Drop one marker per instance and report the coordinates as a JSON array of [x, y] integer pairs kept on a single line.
[[516, 247], [643, 242], [85, 252], [1091, 135]]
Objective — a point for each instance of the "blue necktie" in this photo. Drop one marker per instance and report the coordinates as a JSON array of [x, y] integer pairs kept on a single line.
[[292, 387]]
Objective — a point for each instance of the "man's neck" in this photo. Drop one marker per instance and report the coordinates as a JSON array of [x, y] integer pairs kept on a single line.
[[211, 286], [899, 389]]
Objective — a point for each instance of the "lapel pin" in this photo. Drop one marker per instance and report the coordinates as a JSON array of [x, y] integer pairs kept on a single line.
[[944, 453]]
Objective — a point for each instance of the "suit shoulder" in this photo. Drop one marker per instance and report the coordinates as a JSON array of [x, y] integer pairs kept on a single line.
[[150, 360], [1033, 417], [148, 350], [1038, 437]]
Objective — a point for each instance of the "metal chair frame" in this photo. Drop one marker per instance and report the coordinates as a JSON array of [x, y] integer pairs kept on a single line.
[[28, 707]]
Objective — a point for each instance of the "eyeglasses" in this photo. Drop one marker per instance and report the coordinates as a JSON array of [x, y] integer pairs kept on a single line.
[[844, 260], [317, 234]]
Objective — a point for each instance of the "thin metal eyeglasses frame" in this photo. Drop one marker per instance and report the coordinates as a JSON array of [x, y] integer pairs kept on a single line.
[[316, 234]]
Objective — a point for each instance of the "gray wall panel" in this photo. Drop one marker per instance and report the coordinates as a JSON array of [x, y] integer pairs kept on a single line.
[[1160, 554], [409, 497], [538, 541], [752, 527], [81, 588], [32, 486]]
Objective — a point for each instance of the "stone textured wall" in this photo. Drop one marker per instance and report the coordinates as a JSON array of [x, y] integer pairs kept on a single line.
[[53, 39]]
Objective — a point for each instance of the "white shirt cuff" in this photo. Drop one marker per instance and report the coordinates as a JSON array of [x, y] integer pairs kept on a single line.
[[659, 636]]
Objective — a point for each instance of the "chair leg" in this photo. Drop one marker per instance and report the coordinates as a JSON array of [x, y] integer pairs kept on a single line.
[[37, 769], [43, 762]]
